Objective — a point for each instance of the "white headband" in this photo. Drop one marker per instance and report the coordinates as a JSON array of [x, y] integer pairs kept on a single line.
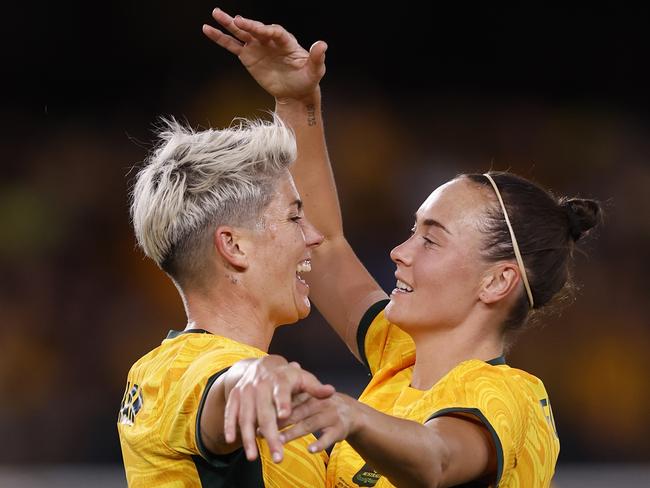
[[520, 262]]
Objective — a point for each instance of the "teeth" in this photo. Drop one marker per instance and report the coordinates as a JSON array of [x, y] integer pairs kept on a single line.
[[403, 286], [304, 266]]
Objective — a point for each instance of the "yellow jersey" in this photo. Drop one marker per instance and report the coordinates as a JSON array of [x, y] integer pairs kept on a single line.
[[512, 404], [158, 422]]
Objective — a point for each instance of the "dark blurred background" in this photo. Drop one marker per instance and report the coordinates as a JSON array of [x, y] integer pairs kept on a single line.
[[413, 95]]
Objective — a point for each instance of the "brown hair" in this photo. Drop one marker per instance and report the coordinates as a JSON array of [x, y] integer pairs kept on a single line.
[[546, 228]]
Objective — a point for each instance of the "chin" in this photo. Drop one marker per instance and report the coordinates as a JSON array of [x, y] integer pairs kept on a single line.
[[391, 312], [394, 315], [301, 304], [303, 310], [299, 312]]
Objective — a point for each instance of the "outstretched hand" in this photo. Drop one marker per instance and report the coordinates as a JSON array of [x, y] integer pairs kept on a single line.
[[333, 416], [263, 396], [271, 55]]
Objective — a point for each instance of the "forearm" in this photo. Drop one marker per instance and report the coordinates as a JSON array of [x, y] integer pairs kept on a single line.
[[406, 452], [340, 285], [312, 171]]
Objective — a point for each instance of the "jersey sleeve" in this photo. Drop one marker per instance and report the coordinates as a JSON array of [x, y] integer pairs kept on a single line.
[[381, 342], [180, 425], [486, 394]]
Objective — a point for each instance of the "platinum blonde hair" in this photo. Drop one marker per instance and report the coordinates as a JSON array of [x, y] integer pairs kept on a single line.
[[194, 181]]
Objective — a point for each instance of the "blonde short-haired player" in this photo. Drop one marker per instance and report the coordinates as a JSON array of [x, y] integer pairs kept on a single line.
[[218, 211], [442, 408]]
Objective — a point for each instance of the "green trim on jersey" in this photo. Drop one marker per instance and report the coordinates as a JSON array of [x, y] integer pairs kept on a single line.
[[364, 325], [477, 413], [228, 470], [172, 334], [497, 361]]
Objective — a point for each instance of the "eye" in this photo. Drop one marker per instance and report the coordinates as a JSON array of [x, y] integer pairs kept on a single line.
[[429, 242], [296, 219]]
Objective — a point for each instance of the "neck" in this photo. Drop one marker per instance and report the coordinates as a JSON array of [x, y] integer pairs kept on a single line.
[[229, 312], [439, 351]]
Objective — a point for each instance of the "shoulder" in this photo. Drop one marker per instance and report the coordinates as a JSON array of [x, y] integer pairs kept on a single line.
[[191, 357], [214, 353], [502, 398], [493, 387], [479, 373]]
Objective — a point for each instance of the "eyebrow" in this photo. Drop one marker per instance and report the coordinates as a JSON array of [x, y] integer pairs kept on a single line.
[[434, 223]]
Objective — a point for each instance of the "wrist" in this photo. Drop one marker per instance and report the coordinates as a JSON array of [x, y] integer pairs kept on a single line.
[[310, 98], [299, 112], [357, 413]]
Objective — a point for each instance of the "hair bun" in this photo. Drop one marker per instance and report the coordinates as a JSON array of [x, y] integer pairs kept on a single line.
[[583, 215]]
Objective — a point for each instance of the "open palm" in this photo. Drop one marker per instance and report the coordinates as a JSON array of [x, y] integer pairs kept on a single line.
[[271, 55]]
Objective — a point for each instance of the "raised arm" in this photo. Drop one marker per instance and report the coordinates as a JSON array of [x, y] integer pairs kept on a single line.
[[446, 451], [341, 287]]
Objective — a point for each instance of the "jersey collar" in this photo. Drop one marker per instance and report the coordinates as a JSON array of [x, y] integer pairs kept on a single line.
[[175, 333], [497, 361]]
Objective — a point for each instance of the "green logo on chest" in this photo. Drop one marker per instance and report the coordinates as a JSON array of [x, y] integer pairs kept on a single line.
[[366, 476]]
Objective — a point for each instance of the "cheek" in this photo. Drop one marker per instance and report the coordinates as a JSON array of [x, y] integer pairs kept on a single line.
[[445, 275]]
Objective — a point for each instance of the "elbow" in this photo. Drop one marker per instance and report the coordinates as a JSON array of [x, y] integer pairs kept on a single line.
[[433, 478], [436, 474], [427, 480]]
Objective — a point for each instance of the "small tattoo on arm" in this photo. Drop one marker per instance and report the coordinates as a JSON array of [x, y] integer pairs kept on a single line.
[[311, 114]]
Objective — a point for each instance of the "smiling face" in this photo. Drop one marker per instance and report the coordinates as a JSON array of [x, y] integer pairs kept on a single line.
[[282, 250], [439, 268]]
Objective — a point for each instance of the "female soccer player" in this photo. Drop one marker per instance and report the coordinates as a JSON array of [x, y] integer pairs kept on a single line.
[[218, 212], [487, 250]]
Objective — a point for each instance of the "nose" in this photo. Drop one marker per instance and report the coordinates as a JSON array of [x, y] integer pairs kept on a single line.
[[400, 254], [313, 238]]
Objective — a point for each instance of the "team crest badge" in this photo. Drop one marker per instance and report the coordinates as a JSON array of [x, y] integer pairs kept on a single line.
[[131, 404]]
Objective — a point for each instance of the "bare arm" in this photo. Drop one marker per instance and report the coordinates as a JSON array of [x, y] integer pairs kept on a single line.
[[341, 286], [446, 451]]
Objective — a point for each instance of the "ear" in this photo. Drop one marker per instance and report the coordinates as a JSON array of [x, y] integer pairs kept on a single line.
[[499, 282], [228, 242]]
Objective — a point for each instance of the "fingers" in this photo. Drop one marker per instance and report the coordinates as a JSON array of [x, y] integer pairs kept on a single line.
[[262, 32], [317, 58], [224, 40], [294, 432], [296, 402], [285, 382], [267, 423], [325, 422], [299, 399], [315, 388], [328, 437], [317, 51], [272, 395], [303, 411], [291, 380], [227, 22], [230, 417], [246, 422], [319, 421], [282, 399]]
